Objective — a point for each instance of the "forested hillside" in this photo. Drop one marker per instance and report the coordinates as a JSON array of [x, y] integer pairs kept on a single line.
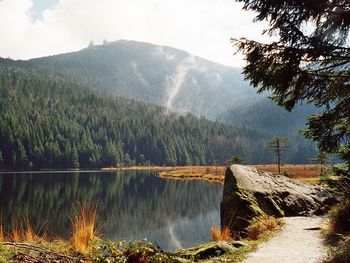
[[264, 115], [53, 123]]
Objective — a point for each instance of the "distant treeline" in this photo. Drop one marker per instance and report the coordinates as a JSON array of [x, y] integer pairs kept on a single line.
[[53, 123]]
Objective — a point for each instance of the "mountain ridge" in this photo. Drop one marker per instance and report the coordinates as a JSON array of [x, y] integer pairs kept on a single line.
[[169, 77]]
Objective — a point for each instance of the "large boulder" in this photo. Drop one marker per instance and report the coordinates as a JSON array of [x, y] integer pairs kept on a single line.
[[249, 193]]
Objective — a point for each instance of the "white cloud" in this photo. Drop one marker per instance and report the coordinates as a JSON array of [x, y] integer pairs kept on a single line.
[[202, 27]]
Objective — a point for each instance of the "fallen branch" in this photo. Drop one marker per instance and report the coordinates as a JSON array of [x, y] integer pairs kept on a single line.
[[37, 249]]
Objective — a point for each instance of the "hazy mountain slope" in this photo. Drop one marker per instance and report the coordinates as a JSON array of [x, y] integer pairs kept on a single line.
[[163, 75], [270, 120], [265, 116]]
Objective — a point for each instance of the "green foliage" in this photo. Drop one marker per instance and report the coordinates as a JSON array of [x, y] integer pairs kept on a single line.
[[309, 62], [236, 159], [6, 255], [286, 174], [136, 252]]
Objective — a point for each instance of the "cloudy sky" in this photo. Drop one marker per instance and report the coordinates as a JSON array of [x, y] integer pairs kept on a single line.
[[35, 28]]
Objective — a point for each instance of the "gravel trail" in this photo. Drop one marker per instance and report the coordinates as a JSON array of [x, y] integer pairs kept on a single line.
[[300, 241]]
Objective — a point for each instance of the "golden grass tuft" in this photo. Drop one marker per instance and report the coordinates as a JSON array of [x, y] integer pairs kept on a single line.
[[84, 229], [218, 234], [1, 234], [28, 234], [262, 226], [16, 234], [21, 233]]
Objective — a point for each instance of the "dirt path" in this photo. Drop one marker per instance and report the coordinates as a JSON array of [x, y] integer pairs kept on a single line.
[[295, 243]]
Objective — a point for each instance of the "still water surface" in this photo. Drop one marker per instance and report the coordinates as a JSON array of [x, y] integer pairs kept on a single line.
[[132, 205]]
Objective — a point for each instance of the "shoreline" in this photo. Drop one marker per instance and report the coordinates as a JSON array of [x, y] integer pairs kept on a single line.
[[308, 173]]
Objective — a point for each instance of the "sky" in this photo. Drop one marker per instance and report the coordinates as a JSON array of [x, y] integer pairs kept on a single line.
[[37, 28]]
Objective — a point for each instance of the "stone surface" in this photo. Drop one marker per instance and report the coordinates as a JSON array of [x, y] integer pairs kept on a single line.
[[249, 193], [209, 250]]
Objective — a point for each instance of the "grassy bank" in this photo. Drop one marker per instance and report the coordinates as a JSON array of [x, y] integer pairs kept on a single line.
[[213, 174], [307, 173]]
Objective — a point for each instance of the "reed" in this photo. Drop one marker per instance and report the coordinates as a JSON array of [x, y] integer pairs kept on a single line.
[[28, 234], [2, 239], [218, 234], [84, 231], [16, 234]]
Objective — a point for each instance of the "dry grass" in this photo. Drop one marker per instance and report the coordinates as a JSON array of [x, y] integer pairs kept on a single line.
[[263, 226], [21, 233], [84, 232], [16, 234], [340, 254], [306, 173], [84, 228], [208, 173], [29, 235], [218, 234], [296, 170], [1, 233]]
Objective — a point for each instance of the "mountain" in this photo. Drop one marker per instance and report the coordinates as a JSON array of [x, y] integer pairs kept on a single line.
[[179, 82], [166, 76]]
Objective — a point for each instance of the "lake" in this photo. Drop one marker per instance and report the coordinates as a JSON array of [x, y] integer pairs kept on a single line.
[[132, 205]]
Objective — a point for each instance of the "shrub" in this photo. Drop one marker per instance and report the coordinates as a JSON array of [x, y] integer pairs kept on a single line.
[[262, 226], [339, 218], [136, 252], [1, 234], [341, 254], [220, 234], [16, 235], [84, 229], [287, 174]]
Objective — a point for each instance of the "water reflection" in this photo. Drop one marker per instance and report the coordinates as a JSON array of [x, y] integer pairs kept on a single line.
[[132, 205]]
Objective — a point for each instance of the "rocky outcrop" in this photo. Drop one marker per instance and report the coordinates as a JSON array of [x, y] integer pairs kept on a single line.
[[249, 193], [208, 250]]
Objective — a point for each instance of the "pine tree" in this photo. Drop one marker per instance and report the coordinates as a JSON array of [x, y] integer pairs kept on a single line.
[[309, 61], [74, 158]]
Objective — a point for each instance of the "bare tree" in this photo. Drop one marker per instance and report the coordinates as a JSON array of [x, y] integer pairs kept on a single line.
[[278, 146], [322, 158]]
